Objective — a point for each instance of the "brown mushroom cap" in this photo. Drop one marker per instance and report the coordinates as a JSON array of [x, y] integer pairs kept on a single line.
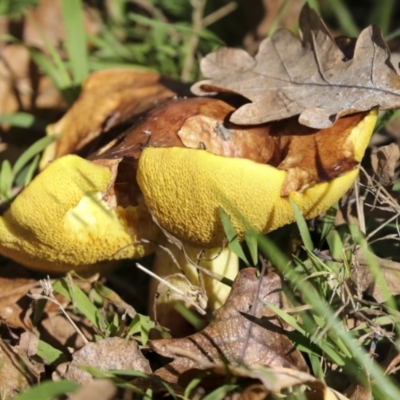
[[253, 175]]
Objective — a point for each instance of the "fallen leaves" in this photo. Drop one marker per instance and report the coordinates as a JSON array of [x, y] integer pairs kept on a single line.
[[244, 330], [17, 372], [310, 77]]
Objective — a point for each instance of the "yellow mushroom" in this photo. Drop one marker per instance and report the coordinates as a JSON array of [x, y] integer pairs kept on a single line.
[[62, 222], [185, 187]]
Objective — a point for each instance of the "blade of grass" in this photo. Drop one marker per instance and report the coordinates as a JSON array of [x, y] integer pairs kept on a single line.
[[303, 228], [24, 120], [32, 151], [6, 179], [48, 390], [231, 234], [381, 14], [50, 354], [344, 18], [329, 221], [251, 241], [31, 170], [76, 39], [82, 302]]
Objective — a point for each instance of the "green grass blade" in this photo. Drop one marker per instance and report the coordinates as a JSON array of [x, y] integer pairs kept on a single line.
[[31, 170], [344, 18], [329, 221], [50, 354], [6, 179], [58, 78], [303, 228], [82, 302], [31, 152], [76, 39], [23, 120], [231, 234], [48, 390], [381, 14], [251, 241], [221, 392]]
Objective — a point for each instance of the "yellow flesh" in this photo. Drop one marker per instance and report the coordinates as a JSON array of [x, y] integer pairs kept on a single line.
[[185, 187], [59, 222]]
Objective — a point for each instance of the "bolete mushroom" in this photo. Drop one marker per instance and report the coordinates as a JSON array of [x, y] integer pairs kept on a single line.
[[62, 221], [188, 161]]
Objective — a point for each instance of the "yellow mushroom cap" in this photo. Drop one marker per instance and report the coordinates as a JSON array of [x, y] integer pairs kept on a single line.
[[185, 188], [60, 221]]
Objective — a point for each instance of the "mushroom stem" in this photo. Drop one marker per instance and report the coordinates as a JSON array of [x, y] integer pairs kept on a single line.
[[197, 290]]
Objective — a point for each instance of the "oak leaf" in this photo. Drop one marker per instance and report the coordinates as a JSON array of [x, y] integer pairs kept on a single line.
[[310, 77], [244, 330]]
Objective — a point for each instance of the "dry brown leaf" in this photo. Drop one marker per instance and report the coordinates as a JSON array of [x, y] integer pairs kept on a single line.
[[106, 354], [384, 160], [14, 301], [28, 343], [57, 331], [310, 77], [244, 330], [16, 372], [108, 98]]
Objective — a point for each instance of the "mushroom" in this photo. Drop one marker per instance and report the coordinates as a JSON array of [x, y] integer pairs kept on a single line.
[[251, 172], [180, 164], [61, 221]]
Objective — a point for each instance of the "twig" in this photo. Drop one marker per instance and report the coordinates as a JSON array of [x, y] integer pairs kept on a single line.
[[197, 22], [48, 295], [220, 13], [151, 9]]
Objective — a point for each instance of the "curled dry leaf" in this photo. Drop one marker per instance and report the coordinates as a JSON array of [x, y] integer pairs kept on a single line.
[[311, 77], [244, 330], [125, 354], [108, 98], [16, 372], [384, 160], [14, 302]]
